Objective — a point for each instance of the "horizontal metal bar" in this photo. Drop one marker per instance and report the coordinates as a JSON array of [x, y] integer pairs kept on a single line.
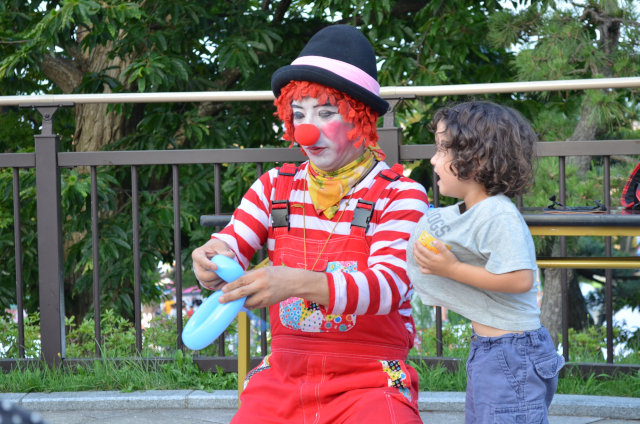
[[626, 262], [583, 224], [17, 160], [584, 231], [545, 149], [285, 154], [510, 87], [227, 363], [601, 369], [214, 220], [411, 152], [7, 365], [166, 97], [179, 157], [386, 92], [573, 219], [588, 148], [407, 152]]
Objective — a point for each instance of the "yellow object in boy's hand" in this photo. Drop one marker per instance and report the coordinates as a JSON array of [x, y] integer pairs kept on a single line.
[[427, 241]]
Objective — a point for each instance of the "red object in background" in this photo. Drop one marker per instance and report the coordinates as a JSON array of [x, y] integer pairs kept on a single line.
[[630, 198], [306, 134]]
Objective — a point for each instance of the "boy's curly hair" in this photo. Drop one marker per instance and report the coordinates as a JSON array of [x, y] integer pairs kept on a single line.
[[491, 143], [363, 117]]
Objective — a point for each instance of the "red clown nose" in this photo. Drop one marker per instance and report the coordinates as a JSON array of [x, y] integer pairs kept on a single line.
[[306, 134]]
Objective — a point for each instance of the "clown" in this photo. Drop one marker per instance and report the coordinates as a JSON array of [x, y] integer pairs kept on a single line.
[[336, 229]]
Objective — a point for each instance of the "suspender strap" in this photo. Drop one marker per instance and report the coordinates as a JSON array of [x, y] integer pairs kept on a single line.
[[280, 204], [362, 213], [365, 207]]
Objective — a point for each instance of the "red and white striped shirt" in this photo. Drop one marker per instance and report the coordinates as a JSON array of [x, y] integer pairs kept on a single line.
[[401, 204]]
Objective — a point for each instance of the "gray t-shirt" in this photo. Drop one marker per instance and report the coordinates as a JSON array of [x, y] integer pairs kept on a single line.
[[491, 234]]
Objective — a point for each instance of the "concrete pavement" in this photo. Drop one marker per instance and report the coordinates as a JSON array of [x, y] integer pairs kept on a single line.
[[218, 407]]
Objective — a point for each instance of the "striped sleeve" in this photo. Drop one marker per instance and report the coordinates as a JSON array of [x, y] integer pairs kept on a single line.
[[248, 228], [385, 286]]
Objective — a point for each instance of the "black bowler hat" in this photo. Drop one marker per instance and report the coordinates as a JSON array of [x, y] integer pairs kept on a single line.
[[341, 57]]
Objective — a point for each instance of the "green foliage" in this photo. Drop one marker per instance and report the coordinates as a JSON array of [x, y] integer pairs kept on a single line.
[[559, 40], [426, 50], [584, 346], [588, 345], [439, 378], [28, 236], [160, 338], [15, 125], [582, 190], [125, 375], [177, 46], [9, 337], [455, 340], [181, 46], [571, 382], [183, 373], [118, 337]]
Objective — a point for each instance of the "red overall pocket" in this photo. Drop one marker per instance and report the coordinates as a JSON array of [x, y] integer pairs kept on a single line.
[[303, 315]]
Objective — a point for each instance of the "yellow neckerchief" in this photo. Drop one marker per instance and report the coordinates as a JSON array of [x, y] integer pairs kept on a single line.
[[326, 188]]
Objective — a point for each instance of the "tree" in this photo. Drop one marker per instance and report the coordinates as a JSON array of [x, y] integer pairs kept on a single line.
[[570, 40], [85, 46]]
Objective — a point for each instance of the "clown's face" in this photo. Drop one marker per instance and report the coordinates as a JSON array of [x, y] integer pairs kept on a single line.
[[333, 150]]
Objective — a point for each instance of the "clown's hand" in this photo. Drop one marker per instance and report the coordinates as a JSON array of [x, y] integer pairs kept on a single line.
[[204, 269]]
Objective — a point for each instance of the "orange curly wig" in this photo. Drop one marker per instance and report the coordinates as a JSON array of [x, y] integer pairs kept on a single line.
[[361, 116]]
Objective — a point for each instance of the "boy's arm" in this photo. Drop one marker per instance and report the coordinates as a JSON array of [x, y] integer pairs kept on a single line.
[[445, 264]]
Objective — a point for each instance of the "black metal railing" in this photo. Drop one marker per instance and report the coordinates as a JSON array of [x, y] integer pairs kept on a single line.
[[47, 162]]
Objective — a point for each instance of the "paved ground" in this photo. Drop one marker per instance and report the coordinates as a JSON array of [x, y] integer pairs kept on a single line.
[[199, 407]]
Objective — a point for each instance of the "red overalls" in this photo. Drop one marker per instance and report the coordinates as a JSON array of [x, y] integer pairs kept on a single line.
[[330, 368]]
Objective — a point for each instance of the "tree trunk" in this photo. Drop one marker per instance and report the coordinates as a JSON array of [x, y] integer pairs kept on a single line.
[[95, 127], [585, 130], [551, 309]]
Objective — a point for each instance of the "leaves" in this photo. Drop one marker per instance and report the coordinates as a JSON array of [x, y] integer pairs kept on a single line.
[[156, 72], [178, 46]]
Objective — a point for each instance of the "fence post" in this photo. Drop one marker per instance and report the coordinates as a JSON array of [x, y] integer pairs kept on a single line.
[[390, 135], [50, 253]]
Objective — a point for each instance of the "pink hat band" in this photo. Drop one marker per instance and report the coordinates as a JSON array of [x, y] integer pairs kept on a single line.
[[343, 69]]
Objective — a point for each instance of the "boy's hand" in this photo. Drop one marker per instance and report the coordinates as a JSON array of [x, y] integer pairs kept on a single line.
[[434, 263]]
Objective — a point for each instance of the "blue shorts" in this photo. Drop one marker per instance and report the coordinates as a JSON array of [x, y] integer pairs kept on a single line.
[[511, 378]]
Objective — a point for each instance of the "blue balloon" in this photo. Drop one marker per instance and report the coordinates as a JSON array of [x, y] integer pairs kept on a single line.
[[212, 318]]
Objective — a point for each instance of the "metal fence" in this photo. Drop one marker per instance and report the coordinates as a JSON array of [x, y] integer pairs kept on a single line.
[[48, 160]]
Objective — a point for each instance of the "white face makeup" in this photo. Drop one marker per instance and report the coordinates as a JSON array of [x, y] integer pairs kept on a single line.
[[333, 150]]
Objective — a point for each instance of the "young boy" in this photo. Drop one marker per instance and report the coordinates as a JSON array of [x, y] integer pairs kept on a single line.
[[477, 258]]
